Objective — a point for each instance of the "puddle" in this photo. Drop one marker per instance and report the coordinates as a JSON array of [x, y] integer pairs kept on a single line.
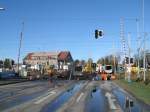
[[96, 101], [121, 97], [57, 103]]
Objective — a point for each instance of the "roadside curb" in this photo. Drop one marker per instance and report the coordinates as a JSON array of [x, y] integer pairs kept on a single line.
[[12, 82]]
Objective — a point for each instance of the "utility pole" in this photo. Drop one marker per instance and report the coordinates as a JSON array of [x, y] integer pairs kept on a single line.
[[20, 44], [123, 42], [138, 48], [114, 60], [144, 37]]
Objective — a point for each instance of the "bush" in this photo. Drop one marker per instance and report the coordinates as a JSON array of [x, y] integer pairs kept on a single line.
[[138, 80], [147, 81]]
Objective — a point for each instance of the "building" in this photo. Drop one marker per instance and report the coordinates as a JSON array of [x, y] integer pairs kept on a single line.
[[56, 59], [64, 58]]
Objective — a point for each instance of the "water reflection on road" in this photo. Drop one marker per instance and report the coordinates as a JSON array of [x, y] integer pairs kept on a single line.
[[121, 97], [57, 103], [96, 101]]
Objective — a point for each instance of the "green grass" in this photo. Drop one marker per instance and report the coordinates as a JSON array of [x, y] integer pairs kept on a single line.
[[138, 89]]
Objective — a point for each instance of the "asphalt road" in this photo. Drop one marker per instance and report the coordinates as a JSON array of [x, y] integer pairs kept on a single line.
[[66, 96]]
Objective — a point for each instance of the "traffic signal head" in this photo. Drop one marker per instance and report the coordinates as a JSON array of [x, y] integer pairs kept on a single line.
[[131, 60], [127, 60], [98, 33]]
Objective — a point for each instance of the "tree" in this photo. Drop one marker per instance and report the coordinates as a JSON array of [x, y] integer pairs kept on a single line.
[[1, 63], [82, 62], [101, 61], [109, 60], [106, 60], [12, 62], [76, 62], [140, 57], [90, 60], [7, 63]]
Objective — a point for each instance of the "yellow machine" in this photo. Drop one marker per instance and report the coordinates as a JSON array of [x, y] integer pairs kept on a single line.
[[88, 68], [134, 69], [49, 70]]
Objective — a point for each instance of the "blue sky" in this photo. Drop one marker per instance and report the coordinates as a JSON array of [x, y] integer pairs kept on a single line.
[[54, 25]]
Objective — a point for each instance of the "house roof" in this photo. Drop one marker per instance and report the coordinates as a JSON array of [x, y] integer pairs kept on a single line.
[[45, 53], [63, 55], [48, 54]]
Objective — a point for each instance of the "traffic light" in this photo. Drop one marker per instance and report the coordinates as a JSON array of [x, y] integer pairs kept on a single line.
[[98, 33], [127, 60], [131, 60]]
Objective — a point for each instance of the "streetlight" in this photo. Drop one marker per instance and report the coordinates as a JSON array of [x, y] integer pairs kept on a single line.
[[20, 44]]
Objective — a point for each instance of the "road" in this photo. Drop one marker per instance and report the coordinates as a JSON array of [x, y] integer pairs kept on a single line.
[[66, 96]]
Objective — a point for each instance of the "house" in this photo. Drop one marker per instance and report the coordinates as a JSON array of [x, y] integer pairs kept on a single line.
[[56, 59], [64, 59]]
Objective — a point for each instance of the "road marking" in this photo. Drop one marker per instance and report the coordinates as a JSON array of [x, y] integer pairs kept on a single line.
[[45, 97], [78, 99], [110, 101]]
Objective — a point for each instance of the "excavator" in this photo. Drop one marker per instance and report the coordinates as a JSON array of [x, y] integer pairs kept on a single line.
[[49, 71], [89, 70]]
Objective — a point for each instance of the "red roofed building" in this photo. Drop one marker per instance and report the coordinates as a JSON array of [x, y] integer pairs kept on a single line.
[[64, 58], [58, 59]]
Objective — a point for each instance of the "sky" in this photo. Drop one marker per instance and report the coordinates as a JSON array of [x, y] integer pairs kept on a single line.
[[69, 25]]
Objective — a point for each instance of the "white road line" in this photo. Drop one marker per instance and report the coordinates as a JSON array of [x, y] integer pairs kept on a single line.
[[78, 99], [45, 97], [110, 101]]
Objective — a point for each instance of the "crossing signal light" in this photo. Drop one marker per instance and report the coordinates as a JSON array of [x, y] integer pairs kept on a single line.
[[98, 33], [131, 60]]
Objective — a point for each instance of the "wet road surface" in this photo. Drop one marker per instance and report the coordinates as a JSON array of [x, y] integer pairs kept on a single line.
[[122, 96], [96, 101], [66, 96]]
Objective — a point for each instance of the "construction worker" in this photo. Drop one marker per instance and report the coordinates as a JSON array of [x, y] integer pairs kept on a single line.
[[52, 79], [50, 76], [103, 75]]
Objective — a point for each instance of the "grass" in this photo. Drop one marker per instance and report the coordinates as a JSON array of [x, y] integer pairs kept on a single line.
[[138, 89]]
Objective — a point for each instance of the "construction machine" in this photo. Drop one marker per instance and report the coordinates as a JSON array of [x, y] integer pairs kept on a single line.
[[49, 71], [89, 70]]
